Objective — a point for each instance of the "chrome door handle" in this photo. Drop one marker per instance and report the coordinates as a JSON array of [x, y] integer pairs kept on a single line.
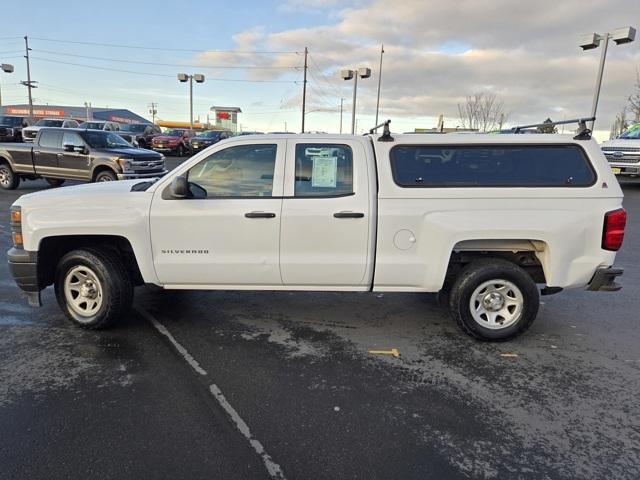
[[260, 215], [348, 215]]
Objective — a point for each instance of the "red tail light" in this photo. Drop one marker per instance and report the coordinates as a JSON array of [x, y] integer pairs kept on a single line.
[[613, 232]]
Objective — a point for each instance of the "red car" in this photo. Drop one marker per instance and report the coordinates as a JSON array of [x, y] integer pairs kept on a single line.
[[174, 141]]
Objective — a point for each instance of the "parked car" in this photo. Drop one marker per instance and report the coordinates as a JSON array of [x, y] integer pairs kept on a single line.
[[485, 220], [208, 138], [76, 154], [29, 133], [11, 127], [100, 125], [140, 134], [242, 134], [623, 153], [174, 141]]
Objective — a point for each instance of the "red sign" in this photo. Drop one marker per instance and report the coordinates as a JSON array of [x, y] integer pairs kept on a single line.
[[223, 115], [37, 112]]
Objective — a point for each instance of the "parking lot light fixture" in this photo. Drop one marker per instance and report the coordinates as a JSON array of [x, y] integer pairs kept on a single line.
[[6, 68], [590, 41], [199, 78], [362, 72]]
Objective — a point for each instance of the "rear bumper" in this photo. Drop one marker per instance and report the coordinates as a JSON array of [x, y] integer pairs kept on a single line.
[[23, 266], [134, 175], [604, 280]]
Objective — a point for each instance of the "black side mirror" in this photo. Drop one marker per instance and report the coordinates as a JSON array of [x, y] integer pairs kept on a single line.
[[80, 149], [180, 187], [68, 147]]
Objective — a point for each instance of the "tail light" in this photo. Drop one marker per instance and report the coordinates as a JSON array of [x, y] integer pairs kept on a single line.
[[613, 231]]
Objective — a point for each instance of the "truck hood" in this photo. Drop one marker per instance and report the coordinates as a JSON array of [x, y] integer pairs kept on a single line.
[[622, 143], [135, 153]]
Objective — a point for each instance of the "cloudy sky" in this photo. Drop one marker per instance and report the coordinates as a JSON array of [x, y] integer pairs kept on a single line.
[[436, 53]]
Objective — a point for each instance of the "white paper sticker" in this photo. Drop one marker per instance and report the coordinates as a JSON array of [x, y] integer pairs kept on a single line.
[[325, 172]]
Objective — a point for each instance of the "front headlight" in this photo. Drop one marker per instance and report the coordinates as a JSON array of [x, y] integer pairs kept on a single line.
[[125, 163], [16, 227]]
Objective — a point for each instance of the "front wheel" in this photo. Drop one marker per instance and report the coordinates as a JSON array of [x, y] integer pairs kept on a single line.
[[93, 288], [8, 178], [494, 300], [106, 176]]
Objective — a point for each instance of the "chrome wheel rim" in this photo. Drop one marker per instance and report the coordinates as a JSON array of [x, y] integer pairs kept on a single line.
[[104, 178], [5, 176], [83, 291], [496, 304]]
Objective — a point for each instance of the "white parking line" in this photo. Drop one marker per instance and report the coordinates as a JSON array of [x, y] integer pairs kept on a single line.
[[272, 467]]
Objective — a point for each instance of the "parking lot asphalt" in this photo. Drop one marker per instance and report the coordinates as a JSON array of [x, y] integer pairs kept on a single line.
[[282, 385]]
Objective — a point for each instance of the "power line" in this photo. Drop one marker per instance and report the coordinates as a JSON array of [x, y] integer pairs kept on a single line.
[[137, 72], [140, 47], [168, 64], [326, 79]]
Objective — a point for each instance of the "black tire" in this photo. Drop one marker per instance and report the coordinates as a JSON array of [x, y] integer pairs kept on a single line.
[[180, 150], [518, 320], [55, 182], [8, 178], [106, 176], [114, 284]]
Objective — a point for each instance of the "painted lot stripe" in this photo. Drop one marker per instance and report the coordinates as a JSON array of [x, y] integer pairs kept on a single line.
[[272, 467]]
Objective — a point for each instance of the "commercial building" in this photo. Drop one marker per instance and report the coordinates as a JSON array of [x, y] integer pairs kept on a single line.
[[120, 115], [226, 118]]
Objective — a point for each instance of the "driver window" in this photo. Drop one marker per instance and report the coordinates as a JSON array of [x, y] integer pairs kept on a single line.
[[72, 138], [240, 171]]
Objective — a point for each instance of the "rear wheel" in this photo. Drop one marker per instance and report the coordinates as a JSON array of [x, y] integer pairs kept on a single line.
[[106, 176], [494, 300], [93, 288], [55, 182], [8, 178]]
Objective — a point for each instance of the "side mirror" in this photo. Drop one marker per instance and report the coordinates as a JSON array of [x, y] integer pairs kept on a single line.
[[68, 147], [80, 149], [180, 187]]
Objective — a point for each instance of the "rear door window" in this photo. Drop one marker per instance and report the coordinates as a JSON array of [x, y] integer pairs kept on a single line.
[[491, 166], [323, 170], [50, 139]]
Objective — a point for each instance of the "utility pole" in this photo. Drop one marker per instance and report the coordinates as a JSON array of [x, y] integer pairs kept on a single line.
[[29, 84], [304, 86], [379, 83], [341, 103], [88, 113], [153, 111]]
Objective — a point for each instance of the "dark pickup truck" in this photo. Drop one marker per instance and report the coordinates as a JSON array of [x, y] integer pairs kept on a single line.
[[11, 127], [59, 154]]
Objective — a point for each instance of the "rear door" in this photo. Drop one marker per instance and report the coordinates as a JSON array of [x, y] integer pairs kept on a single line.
[[46, 152], [326, 215], [230, 235]]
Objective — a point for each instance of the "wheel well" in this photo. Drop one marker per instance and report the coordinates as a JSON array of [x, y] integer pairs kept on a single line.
[[52, 249], [100, 169], [524, 258]]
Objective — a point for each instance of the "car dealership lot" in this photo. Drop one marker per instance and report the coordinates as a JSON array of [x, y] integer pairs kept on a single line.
[[168, 392]]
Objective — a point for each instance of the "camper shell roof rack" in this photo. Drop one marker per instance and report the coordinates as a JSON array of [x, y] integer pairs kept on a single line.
[[583, 132]]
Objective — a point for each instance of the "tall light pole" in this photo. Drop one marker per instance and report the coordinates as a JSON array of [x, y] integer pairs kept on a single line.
[[6, 68], [362, 72], [590, 41], [199, 78], [379, 83], [341, 103]]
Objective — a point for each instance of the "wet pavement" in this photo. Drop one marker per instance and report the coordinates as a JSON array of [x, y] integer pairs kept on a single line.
[[282, 385]]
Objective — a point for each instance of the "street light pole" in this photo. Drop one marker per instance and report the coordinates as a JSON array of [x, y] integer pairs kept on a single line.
[[353, 106], [7, 68], [379, 83], [341, 103], [362, 72], [199, 78]]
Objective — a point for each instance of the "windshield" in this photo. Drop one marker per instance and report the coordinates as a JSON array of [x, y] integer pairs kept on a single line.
[[173, 133], [11, 121], [136, 127], [105, 140], [49, 123], [92, 125], [632, 134], [211, 134]]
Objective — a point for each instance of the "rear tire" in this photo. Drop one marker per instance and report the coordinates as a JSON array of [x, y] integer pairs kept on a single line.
[[494, 300], [55, 182], [93, 288], [8, 178], [106, 176]]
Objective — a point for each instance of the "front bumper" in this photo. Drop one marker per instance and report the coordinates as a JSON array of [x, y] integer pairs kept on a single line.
[[136, 175], [23, 266], [623, 169], [604, 280]]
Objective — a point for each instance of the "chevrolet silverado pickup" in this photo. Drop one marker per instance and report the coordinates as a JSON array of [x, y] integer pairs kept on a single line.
[[491, 222], [88, 155]]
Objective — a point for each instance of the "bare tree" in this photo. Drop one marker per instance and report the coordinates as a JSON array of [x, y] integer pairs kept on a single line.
[[620, 124], [634, 99], [482, 111]]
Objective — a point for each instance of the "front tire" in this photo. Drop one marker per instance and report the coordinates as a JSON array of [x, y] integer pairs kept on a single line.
[[8, 178], [494, 300], [93, 288], [106, 176]]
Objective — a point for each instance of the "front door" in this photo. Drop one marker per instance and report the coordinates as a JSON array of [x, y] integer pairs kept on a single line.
[[74, 164], [228, 234], [327, 230]]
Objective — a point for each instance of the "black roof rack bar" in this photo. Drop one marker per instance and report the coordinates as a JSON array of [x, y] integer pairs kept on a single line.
[[582, 124], [386, 132]]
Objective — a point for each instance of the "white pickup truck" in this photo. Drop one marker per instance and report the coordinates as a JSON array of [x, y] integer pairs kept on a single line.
[[490, 221]]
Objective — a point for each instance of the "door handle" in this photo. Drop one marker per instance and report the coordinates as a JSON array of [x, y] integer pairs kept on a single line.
[[348, 215], [260, 215]]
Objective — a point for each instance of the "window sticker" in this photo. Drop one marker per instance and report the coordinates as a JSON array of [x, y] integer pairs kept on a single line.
[[325, 172]]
